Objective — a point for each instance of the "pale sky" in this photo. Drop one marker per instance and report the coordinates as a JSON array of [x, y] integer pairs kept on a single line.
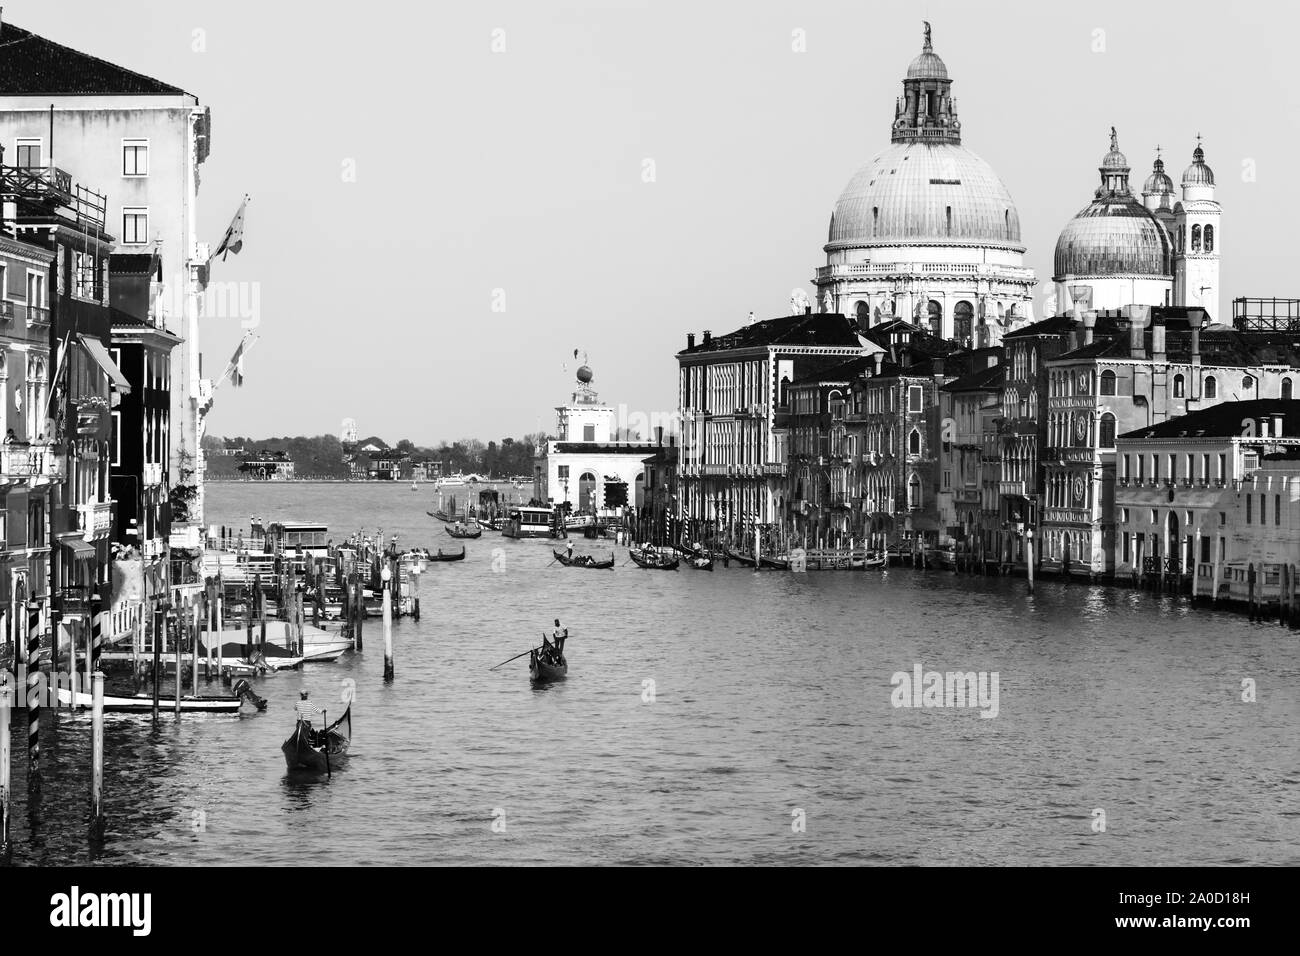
[[523, 171]]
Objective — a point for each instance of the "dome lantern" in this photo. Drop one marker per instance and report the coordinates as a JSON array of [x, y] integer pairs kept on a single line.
[[1198, 174], [926, 112]]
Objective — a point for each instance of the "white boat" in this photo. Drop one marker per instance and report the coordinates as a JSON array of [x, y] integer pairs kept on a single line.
[[143, 703], [318, 644]]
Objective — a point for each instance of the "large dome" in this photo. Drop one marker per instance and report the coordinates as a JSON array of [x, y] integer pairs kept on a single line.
[[1113, 237], [917, 192]]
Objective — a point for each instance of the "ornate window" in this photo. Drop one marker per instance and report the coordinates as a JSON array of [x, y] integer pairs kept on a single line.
[[1196, 238], [1209, 238], [914, 442]]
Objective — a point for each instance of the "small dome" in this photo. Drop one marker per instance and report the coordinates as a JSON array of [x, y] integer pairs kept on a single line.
[[1158, 183], [1113, 237], [1198, 174], [927, 66], [1115, 160]]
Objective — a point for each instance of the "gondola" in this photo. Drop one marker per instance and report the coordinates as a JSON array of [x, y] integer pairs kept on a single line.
[[700, 562], [442, 516], [440, 556], [876, 561], [540, 671], [582, 561], [741, 558], [475, 532], [655, 561], [318, 751]]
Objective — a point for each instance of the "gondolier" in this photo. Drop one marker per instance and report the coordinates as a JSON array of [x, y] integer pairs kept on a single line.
[[305, 709], [560, 635]]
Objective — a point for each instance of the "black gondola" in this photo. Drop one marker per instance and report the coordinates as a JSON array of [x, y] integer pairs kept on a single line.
[[455, 556], [318, 751], [475, 532], [655, 560], [582, 561], [540, 670]]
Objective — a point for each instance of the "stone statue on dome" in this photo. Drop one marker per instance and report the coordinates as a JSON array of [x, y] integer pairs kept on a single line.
[[826, 301], [1049, 306]]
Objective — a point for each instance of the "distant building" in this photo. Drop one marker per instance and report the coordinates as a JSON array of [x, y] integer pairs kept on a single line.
[[583, 466], [268, 466], [348, 432]]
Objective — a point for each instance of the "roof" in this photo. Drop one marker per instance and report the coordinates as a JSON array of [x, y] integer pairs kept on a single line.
[[810, 328], [1225, 420], [840, 372], [134, 263], [32, 65], [981, 380], [1218, 346], [603, 448], [375, 440]]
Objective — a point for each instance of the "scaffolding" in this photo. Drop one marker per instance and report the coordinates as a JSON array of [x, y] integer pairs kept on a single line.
[[1266, 315]]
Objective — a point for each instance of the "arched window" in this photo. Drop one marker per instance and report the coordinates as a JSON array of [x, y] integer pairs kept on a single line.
[[962, 317], [1211, 387], [1108, 382], [1181, 236], [1107, 437], [1196, 238], [863, 313], [1286, 388], [1247, 383], [914, 442], [1179, 387], [935, 313], [914, 492], [1209, 238]]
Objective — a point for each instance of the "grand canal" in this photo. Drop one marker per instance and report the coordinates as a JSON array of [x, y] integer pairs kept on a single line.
[[731, 717]]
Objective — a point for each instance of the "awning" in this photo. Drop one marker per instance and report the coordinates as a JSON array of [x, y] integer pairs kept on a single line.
[[95, 349], [78, 545]]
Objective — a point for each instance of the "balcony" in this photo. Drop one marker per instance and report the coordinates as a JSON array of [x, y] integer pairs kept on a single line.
[[35, 315], [774, 469], [6, 310], [1011, 489], [37, 463], [95, 519]]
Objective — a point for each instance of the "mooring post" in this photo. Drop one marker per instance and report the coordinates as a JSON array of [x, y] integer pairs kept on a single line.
[[159, 621], [359, 609], [1029, 557], [33, 693], [386, 583], [415, 590], [97, 615], [97, 754], [180, 660], [196, 608], [6, 761], [221, 628]]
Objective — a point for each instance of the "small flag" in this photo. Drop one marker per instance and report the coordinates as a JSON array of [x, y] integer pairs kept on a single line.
[[235, 370], [234, 238]]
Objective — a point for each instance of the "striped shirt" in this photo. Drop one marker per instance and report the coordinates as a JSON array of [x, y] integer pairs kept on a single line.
[[306, 710]]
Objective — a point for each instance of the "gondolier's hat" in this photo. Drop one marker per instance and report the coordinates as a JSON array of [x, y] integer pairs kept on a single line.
[[304, 693]]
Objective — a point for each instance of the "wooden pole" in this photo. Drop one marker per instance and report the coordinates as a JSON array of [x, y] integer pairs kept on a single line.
[[1250, 591], [6, 761], [73, 676], [180, 661], [359, 609], [221, 628], [33, 693], [209, 609], [158, 619], [415, 590], [1029, 558], [97, 754], [388, 624], [195, 610]]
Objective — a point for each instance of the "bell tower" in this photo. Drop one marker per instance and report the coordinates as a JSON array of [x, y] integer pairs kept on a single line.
[[1197, 239]]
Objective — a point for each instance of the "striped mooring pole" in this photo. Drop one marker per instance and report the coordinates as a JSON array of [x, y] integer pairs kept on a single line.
[[33, 693], [96, 635]]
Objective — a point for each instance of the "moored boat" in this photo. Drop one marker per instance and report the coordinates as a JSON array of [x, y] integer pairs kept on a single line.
[[655, 559], [143, 703], [318, 751], [527, 521], [582, 561], [467, 531], [450, 556], [700, 562]]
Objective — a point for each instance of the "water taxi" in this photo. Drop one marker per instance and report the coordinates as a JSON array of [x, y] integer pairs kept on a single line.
[[527, 521]]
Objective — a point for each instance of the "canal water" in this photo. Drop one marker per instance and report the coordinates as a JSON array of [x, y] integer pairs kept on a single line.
[[724, 717]]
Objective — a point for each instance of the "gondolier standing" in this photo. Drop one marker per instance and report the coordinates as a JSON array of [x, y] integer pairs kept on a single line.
[[561, 634], [305, 709]]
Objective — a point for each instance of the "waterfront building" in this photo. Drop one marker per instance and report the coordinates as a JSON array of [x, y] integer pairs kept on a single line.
[[145, 501], [1164, 364], [732, 465], [926, 230], [29, 462], [659, 510], [44, 207], [894, 424], [969, 408], [584, 467], [268, 466], [1218, 486], [143, 141]]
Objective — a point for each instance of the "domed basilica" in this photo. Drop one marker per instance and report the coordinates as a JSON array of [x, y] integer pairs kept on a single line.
[[1159, 250], [926, 230]]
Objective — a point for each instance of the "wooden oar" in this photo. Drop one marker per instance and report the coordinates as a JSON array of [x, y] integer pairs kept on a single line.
[[515, 658], [325, 719]]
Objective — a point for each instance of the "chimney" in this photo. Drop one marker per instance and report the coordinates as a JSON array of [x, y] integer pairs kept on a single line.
[[807, 310], [937, 365], [690, 340], [1089, 324], [708, 337], [1136, 339], [659, 435], [879, 359], [1158, 342]]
